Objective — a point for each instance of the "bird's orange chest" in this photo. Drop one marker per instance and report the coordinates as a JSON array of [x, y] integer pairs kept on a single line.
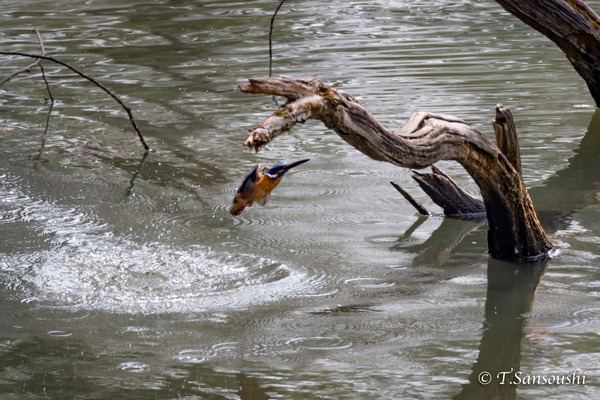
[[264, 186]]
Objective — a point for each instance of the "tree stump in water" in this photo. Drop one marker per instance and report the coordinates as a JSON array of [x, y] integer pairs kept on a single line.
[[426, 138]]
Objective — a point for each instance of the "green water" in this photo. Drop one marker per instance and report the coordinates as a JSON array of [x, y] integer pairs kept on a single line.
[[126, 277]]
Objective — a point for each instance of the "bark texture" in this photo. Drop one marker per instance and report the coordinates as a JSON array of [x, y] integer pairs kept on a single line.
[[506, 136], [572, 26], [444, 192], [426, 138]]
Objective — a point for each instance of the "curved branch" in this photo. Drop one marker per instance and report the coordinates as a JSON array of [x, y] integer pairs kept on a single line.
[[95, 82], [572, 26], [425, 139]]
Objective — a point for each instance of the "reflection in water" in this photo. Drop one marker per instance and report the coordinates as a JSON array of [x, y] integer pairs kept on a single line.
[[135, 174], [510, 294], [250, 388], [122, 277], [440, 243], [574, 187], [511, 290]]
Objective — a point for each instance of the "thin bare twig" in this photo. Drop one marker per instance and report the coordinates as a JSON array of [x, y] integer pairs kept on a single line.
[[39, 36], [135, 174], [271, 36], [43, 145], [422, 210], [46, 82], [95, 82], [30, 66]]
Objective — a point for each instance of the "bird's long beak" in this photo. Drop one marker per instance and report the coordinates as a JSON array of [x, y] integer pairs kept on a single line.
[[295, 163]]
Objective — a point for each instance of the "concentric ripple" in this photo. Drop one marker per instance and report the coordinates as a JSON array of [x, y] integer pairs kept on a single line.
[[86, 266]]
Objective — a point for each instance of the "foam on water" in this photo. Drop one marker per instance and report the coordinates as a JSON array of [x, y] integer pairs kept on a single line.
[[89, 267]]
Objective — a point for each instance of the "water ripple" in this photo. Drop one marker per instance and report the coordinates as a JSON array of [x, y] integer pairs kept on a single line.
[[89, 267]]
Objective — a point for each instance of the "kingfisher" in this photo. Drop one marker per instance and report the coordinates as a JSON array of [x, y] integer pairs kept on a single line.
[[257, 185]]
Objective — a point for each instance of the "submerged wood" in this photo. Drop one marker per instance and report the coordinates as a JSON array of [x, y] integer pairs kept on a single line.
[[418, 206], [426, 138], [572, 26], [444, 192]]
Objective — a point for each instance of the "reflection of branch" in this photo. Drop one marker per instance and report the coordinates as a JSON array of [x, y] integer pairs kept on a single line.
[[107, 91], [250, 388], [45, 130], [271, 36], [436, 249], [135, 174], [574, 187]]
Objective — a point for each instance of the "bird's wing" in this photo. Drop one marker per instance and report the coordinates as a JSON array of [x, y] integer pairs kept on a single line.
[[249, 183]]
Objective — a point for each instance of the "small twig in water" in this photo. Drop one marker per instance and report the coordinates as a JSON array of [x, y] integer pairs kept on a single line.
[[422, 210], [95, 82], [46, 82], [30, 66], [39, 36], [135, 175], [271, 36], [43, 145]]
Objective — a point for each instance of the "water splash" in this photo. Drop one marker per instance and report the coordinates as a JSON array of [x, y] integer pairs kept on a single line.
[[86, 266]]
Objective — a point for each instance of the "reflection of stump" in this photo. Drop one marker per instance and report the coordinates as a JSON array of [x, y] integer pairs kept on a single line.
[[510, 295], [514, 230]]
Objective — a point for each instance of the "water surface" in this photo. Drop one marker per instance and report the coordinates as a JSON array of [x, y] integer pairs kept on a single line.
[[124, 276]]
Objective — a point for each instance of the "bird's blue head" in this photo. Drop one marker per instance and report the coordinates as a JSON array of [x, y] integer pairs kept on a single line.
[[278, 171]]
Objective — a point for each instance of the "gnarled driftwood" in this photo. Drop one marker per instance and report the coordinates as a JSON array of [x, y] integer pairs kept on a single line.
[[514, 230], [444, 192]]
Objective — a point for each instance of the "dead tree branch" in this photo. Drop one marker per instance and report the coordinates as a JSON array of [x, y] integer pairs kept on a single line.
[[271, 36], [92, 80], [447, 194], [30, 66], [418, 206], [51, 98], [514, 230], [444, 192], [506, 136]]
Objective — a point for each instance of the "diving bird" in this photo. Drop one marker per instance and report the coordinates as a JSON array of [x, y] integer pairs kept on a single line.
[[257, 185]]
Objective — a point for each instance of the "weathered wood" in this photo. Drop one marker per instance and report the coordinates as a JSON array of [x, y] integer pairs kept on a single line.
[[418, 206], [426, 138], [572, 26], [444, 192], [506, 136]]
